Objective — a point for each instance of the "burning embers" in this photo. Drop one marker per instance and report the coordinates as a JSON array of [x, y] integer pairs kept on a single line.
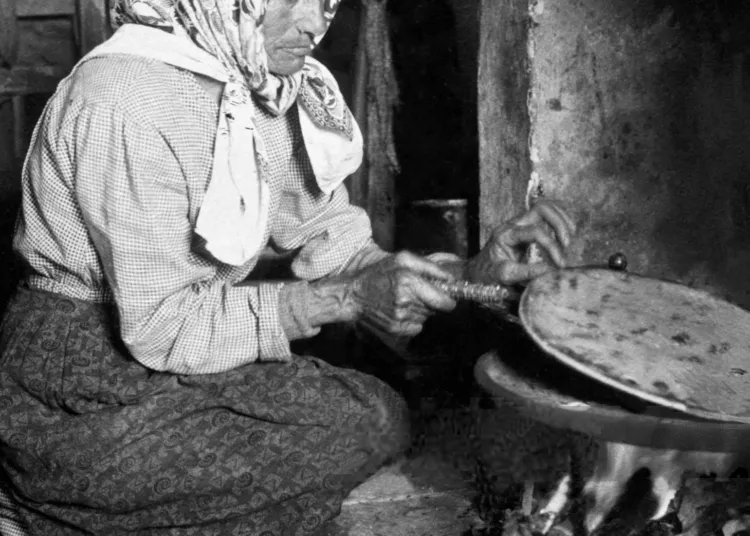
[[575, 486], [631, 488], [638, 484]]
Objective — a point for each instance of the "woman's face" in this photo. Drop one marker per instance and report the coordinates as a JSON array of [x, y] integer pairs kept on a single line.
[[290, 28]]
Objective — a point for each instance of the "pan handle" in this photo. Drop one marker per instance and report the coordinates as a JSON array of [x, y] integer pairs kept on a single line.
[[507, 307], [618, 262], [499, 294]]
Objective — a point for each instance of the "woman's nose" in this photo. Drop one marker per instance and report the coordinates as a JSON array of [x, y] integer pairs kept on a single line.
[[311, 18]]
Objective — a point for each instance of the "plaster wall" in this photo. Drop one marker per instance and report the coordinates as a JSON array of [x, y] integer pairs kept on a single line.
[[639, 120]]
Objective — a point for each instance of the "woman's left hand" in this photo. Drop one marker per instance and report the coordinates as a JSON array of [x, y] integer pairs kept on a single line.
[[501, 260]]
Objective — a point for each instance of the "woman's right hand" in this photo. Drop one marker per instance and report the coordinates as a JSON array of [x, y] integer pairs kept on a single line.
[[394, 296]]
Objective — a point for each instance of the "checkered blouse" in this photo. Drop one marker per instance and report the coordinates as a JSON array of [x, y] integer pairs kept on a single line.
[[112, 187]]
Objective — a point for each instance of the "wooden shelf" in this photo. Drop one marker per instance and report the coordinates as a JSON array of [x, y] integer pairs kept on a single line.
[[28, 80], [45, 8]]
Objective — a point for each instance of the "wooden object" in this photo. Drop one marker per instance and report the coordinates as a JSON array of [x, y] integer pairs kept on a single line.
[[45, 8], [8, 32], [92, 23], [18, 126], [358, 180], [91, 27], [26, 80], [382, 98], [503, 85], [375, 95], [661, 342]]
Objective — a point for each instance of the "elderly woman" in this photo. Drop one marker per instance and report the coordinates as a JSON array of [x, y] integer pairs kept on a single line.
[[147, 383]]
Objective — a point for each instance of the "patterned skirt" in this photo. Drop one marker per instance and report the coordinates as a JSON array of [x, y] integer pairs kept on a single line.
[[92, 442]]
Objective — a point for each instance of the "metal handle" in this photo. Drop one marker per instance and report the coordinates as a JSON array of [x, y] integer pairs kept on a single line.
[[476, 292], [618, 262], [500, 294]]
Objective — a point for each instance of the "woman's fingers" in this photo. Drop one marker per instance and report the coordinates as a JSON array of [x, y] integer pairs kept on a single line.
[[417, 296], [396, 295], [418, 290], [432, 297], [549, 213], [408, 330], [512, 273], [421, 266], [527, 234], [396, 328], [547, 224]]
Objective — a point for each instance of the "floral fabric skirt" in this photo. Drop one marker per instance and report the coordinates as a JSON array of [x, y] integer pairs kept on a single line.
[[92, 442]]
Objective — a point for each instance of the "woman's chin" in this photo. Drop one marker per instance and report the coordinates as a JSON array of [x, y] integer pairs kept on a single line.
[[286, 66]]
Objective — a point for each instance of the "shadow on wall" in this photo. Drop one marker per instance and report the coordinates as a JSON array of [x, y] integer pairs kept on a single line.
[[434, 143], [9, 201], [10, 270], [434, 53], [711, 132], [10, 196]]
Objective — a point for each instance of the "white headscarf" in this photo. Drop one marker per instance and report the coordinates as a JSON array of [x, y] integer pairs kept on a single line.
[[222, 39]]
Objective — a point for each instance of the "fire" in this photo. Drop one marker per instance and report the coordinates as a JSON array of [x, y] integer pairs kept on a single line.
[[618, 462], [616, 465], [614, 470]]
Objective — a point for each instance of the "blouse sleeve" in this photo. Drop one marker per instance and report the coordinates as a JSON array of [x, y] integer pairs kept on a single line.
[[329, 239], [175, 314]]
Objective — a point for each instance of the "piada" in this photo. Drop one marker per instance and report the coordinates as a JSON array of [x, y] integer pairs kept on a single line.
[[663, 342]]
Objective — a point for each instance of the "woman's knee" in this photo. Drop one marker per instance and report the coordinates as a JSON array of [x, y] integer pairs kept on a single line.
[[386, 428]]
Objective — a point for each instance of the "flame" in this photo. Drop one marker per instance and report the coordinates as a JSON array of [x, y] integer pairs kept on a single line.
[[618, 462]]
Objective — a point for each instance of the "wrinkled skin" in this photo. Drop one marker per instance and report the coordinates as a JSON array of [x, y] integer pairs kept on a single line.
[[502, 258], [289, 29], [394, 295]]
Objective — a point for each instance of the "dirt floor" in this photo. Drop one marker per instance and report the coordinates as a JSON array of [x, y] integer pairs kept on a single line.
[[435, 492]]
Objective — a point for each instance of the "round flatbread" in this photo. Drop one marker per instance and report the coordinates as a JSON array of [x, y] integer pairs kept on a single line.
[[662, 342]]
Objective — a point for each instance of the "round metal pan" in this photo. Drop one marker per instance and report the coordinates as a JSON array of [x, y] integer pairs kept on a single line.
[[540, 389], [660, 341]]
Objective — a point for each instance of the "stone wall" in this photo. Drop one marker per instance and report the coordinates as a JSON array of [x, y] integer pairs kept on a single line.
[[639, 116]]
